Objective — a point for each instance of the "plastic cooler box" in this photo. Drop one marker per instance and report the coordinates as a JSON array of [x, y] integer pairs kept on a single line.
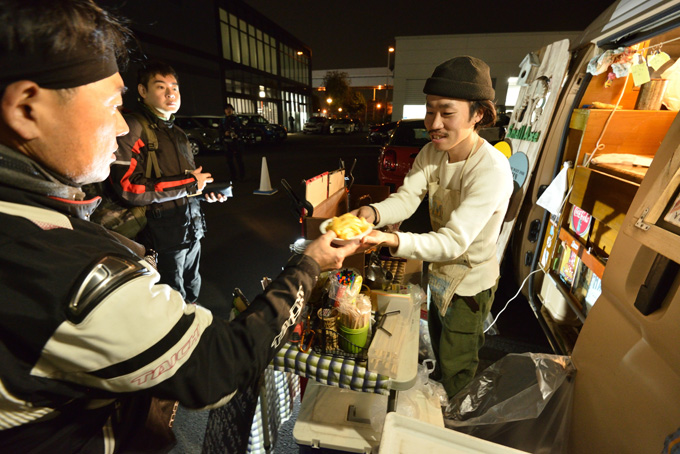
[[333, 420], [404, 435]]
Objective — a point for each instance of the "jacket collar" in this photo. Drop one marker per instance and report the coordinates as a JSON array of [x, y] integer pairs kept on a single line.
[[153, 116], [28, 180]]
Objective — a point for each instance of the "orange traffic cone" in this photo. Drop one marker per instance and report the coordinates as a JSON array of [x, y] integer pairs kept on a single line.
[[265, 184]]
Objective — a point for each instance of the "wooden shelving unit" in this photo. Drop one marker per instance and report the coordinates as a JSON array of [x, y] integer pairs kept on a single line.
[[605, 190]]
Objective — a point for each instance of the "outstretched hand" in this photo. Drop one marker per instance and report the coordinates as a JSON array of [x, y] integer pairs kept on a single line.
[[202, 178], [328, 256], [212, 197], [365, 212], [379, 238]]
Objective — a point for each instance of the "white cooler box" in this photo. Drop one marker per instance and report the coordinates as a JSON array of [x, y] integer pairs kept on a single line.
[[404, 435], [333, 418]]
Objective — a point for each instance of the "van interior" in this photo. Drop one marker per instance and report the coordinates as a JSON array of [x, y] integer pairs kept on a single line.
[[604, 266]]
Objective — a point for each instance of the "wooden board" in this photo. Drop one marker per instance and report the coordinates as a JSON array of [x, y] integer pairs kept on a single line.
[[316, 189], [336, 181], [532, 115]]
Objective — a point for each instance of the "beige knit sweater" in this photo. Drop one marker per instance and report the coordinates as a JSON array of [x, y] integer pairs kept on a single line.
[[473, 227]]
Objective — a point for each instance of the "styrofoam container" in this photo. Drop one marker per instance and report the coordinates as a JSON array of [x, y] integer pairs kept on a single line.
[[404, 435], [555, 302]]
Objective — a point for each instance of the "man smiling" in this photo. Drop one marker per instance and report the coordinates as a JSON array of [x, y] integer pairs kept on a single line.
[[469, 184]]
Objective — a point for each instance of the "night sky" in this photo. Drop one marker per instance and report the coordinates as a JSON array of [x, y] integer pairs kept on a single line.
[[356, 34]]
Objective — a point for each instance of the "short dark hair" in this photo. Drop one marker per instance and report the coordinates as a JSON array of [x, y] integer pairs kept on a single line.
[[50, 27], [229, 106], [488, 109], [153, 67]]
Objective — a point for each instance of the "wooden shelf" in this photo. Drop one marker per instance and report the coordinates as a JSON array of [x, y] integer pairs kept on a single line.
[[638, 132], [588, 259]]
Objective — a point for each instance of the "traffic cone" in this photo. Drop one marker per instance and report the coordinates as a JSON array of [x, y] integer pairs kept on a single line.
[[265, 184]]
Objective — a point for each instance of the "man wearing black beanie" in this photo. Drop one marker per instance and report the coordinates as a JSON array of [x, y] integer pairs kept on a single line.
[[469, 184]]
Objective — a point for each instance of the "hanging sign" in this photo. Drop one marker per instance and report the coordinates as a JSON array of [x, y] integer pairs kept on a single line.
[[657, 60], [519, 164]]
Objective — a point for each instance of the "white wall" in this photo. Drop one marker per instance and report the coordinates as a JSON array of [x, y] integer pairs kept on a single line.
[[417, 56]]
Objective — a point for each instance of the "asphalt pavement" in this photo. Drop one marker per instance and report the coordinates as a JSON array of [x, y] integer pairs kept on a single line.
[[249, 237]]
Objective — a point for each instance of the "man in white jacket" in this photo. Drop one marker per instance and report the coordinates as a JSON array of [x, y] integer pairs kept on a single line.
[[469, 184]]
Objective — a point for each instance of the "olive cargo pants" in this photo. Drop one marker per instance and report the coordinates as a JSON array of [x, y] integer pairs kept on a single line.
[[458, 337]]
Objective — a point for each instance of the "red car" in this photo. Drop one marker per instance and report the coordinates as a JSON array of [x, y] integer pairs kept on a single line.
[[396, 158]]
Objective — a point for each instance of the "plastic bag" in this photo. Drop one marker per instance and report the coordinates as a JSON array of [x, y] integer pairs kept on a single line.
[[522, 401], [407, 402], [671, 97], [552, 198]]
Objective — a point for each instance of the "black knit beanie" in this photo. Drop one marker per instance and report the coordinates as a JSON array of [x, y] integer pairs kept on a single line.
[[461, 78]]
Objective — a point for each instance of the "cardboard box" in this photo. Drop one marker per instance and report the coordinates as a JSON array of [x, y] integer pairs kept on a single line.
[[316, 189]]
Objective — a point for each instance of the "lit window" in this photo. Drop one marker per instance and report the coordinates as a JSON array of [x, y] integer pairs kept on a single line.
[[513, 92]]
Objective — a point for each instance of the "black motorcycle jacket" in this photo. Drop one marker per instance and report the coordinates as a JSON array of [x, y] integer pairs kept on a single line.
[[174, 217], [85, 326]]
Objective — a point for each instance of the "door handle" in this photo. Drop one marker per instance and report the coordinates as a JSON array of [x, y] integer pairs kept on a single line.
[[657, 284]]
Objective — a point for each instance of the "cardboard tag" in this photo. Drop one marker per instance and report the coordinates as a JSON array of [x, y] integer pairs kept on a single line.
[[640, 74], [657, 60]]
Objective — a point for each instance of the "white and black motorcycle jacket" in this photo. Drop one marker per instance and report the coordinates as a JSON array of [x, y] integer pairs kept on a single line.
[[84, 325]]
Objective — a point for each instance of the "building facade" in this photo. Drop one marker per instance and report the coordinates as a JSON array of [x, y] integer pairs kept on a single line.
[[417, 56], [223, 51], [265, 69]]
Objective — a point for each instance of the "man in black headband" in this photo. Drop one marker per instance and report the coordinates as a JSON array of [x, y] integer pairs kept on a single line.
[[87, 335]]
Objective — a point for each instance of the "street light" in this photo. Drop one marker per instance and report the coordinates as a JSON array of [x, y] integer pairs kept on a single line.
[[329, 101], [390, 50]]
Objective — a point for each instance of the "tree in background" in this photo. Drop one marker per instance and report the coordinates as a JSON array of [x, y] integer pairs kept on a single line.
[[355, 105], [337, 88]]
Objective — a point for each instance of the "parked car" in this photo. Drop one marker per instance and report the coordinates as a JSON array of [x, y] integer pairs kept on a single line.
[[380, 134], [406, 140], [396, 158], [256, 128], [203, 132], [342, 126], [316, 125]]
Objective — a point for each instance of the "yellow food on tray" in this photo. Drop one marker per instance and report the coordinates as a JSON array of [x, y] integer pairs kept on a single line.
[[348, 226]]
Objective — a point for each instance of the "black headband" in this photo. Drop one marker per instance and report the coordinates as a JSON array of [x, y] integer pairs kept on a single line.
[[70, 69]]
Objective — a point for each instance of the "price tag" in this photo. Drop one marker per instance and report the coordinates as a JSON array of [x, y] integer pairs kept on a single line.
[[657, 60], [640, 74]]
